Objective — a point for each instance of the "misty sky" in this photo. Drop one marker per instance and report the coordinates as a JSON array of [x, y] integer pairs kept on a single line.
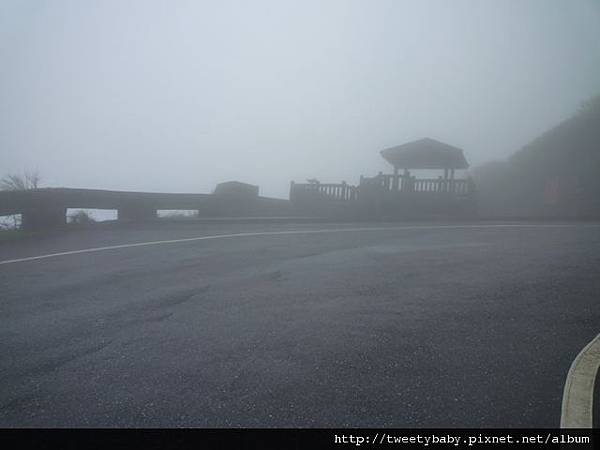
[[179, 95]]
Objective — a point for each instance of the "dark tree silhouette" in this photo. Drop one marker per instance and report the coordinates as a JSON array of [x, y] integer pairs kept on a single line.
[[14, 182]]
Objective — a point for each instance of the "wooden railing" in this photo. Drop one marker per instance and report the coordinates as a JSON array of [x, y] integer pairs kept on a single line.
[[330, 191], [400, 183], [390, 183], [441, 185]]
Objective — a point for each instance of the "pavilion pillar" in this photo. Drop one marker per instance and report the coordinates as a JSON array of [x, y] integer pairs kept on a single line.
[[396, 179], [445, 182]]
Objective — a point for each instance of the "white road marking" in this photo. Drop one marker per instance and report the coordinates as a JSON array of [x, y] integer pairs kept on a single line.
[[578, 396], [276, 233]]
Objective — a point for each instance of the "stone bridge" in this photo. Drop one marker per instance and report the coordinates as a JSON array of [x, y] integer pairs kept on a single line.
[[47, 208]]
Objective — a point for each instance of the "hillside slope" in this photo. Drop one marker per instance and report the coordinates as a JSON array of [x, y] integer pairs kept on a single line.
[[556, 175]]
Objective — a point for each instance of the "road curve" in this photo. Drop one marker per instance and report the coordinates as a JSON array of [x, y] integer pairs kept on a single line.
[[286, 325]]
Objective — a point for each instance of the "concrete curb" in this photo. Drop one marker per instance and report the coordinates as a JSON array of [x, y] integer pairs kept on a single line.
[[578, 394]]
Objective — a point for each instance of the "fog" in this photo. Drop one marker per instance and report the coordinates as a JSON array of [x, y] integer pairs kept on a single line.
[[178, 96]]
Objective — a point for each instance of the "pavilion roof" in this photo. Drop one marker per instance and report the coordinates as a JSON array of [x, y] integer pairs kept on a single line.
[[425, 153]]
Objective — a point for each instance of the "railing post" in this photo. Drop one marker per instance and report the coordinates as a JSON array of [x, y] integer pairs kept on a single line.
[[470, 185], [44, 217], [136, 212]]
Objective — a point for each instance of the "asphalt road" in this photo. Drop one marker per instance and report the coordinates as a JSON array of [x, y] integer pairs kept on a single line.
[[408, 327]]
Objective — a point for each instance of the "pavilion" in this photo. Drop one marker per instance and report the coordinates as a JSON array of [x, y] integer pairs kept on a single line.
[[400, 192], [424, 154]]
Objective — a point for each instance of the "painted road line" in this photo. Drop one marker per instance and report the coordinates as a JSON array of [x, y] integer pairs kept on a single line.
[[278, 233], [578, 396]]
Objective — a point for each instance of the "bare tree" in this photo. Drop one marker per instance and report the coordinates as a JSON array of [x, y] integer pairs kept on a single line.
[[81, 217], [14, 182], [12, 222]]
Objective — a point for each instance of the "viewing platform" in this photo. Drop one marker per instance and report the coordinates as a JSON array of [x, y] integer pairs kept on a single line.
[[398, 193]]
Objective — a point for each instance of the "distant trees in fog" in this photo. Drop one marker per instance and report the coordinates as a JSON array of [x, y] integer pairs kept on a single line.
[[81, 217], [16, 182]]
